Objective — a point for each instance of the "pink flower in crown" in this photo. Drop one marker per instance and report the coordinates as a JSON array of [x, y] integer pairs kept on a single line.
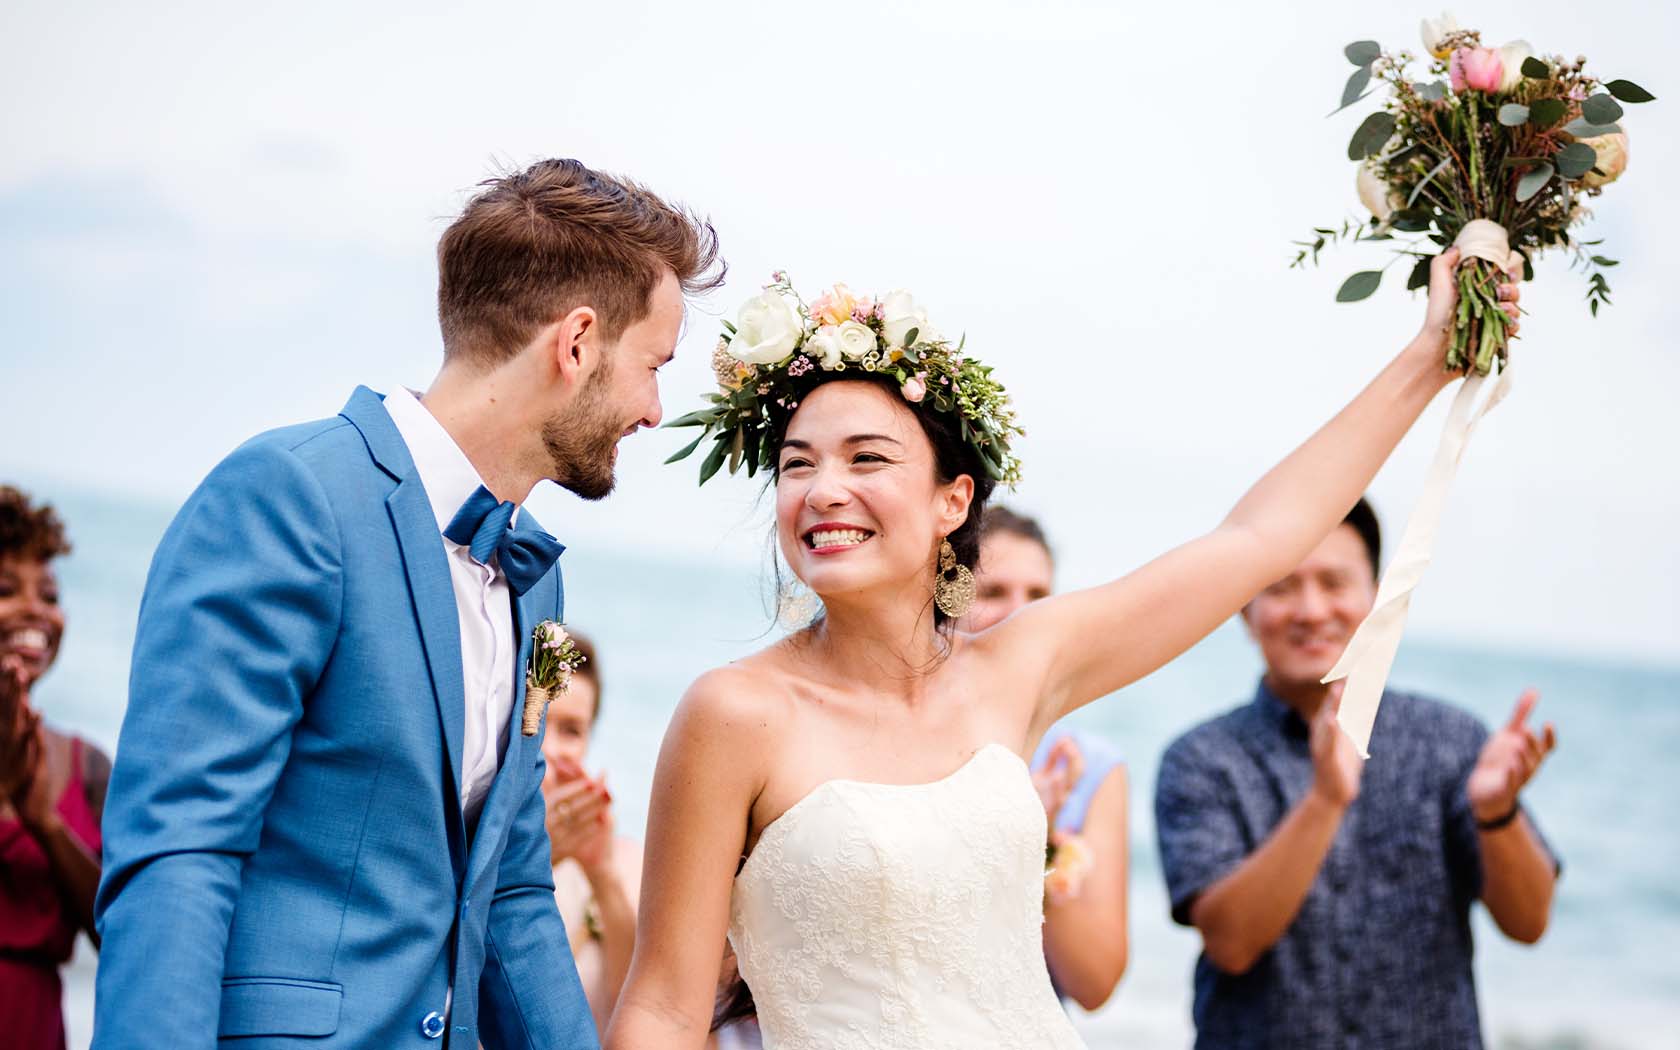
[[864, 310], [1476, 68], [915, 388], [834, 306]]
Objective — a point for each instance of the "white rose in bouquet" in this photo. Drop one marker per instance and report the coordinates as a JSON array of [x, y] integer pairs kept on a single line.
[[1374, 193], [1511, 56], [766, 330], [1435, 32], [1612, 150]]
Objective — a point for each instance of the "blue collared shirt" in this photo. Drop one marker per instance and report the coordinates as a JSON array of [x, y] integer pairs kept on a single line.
[[1379, 954]]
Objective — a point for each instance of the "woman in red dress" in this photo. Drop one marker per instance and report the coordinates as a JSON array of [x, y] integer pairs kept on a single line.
[[52, 790]]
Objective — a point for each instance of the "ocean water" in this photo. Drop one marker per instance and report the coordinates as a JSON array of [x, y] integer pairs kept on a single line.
[[1606, 975]]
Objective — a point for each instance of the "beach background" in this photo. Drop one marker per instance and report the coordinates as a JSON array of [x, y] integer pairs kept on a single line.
[[215, 220], [1604, 976]]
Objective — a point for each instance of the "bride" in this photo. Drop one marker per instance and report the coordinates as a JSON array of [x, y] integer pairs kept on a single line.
[[850, 805]]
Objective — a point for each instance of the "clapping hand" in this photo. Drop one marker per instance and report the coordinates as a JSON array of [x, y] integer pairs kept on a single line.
[[1055, 780], [1509, 761], [579, 818], [23, 751], [1337, 767]]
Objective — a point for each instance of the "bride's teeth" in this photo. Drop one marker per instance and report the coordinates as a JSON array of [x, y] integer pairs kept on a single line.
[[28, 638], [838, 538]]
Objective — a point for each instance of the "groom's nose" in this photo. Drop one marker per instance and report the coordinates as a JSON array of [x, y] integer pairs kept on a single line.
[[655, 413]]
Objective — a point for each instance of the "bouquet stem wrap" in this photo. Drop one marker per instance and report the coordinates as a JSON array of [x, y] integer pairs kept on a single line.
[[1366, 661]]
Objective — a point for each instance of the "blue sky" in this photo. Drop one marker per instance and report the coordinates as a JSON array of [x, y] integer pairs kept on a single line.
[[213, 221]]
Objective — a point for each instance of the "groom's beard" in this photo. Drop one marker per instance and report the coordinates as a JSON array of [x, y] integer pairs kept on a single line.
[[581, 441]]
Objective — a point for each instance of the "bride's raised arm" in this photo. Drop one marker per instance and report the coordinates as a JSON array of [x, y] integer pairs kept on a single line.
[[1095, 641]]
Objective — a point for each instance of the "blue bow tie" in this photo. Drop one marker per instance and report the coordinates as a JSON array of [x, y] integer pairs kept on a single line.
[[524, 554]]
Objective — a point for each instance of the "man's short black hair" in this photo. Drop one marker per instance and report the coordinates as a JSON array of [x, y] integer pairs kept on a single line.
[[1364, 521]]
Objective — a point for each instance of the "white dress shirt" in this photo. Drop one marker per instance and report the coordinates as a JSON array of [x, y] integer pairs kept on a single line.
[[482, 600]]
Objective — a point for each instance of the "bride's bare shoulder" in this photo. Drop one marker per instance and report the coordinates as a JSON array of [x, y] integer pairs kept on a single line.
[[748, 700]]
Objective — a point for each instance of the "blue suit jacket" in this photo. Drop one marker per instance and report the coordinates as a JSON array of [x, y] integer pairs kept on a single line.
[[285, 859]]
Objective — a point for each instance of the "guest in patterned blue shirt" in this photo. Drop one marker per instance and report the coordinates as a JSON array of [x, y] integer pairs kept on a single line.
[[1333, 895]]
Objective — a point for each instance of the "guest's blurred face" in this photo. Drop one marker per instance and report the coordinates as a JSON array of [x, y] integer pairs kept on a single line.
[[571, 720], [859, 506], [31, 620], [1013, 571], [620, 397], [1303, 621]]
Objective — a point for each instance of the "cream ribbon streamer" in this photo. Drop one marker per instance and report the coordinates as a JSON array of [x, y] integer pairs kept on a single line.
[[1366, 661]]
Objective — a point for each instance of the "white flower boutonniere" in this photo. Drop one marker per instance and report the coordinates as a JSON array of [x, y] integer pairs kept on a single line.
[[554, 657]]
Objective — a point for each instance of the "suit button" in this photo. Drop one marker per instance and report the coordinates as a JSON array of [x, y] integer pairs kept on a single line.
[[432, 1026]]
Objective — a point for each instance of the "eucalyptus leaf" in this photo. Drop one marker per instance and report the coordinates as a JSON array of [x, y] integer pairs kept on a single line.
[[1546, 112], [1359, 286], [1434, 91], [1601, 109], [1535, 69], [1581, 128], [1420, 274], [1371, 136], [700, 417], [714, 458], [1575, 160], [1355, 85], [688, 449], [1599, 260], [1513, 114], [1533, 182], [1628, 91], [1362, 52], [910, 336], [1411, 220]]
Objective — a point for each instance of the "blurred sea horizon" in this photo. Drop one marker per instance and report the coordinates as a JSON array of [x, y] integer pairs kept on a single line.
[[1603, 977]]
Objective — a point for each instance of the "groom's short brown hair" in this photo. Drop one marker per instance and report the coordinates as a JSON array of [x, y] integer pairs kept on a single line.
[[533, 245]]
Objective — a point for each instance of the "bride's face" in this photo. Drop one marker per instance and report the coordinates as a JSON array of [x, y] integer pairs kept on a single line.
[[859, 505]]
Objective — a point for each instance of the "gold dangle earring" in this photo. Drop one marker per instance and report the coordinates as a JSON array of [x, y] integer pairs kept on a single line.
[[953, 585]]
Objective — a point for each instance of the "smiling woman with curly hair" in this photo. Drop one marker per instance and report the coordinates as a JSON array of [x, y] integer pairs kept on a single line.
[[52, 788]]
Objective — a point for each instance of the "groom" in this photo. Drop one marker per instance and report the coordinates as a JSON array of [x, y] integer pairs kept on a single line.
[[325, 824]]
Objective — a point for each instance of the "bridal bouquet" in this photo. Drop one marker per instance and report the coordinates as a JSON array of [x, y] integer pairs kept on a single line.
[[1494, 150]]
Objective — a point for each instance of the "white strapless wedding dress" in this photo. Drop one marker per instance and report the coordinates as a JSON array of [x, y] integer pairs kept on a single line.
[[903, 917]]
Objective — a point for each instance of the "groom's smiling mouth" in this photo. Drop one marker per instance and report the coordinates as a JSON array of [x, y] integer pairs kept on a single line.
[[831, 536]]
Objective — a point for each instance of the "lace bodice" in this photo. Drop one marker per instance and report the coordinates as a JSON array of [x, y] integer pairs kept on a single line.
[[903, 917]]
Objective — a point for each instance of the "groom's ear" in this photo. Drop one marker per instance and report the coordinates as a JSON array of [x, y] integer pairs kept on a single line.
[[575, 345]]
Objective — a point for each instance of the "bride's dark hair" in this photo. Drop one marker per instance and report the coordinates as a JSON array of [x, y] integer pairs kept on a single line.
[[952, 457]]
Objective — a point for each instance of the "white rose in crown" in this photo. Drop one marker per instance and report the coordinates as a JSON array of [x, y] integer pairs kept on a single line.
[[825, 346], [900, 314], [766, 330], [856, 339]]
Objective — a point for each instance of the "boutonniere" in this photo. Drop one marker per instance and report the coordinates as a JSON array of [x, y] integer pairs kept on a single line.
[[554, 656]]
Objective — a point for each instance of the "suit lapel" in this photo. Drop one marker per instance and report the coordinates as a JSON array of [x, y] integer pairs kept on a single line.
[[512, 784], [430, 589]]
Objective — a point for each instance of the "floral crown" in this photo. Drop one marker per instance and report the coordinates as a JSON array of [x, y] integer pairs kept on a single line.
[[777, 338]]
